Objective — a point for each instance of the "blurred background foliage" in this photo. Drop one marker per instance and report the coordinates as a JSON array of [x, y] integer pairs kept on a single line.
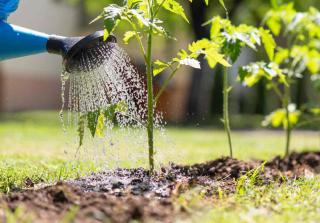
[[204, 99], [242, 11]]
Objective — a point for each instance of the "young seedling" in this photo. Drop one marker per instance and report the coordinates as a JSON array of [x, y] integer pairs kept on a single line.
[[143, 18], [228, 40], [298, 57]]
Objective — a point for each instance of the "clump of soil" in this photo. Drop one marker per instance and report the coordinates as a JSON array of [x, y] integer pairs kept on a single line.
[[304, 164], [222, 168], [123, 195], [162, 184], [53, 203], [309, 160]]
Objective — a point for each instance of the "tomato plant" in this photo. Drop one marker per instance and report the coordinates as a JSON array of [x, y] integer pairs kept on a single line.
[[143, 18], [227, 40], [300, 56]]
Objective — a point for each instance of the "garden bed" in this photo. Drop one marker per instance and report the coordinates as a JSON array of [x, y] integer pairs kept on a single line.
[[132, 194]]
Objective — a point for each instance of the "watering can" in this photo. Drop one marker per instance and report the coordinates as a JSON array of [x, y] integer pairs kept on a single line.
[[16, 41]]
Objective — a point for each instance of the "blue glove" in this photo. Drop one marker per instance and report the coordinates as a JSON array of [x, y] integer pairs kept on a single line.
[[7, 7]]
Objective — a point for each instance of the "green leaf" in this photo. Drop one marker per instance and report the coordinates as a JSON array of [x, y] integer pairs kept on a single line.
[[92, 118], [140, 17], [274, 4], [244, 38], [191, 62], [81, 125], [243, 73], [213, 57], [233, 50], [268, 42], [106, 34], [281, 55], [223, 5], [109, 113], [109, 26], [128, 35], [199, 46], [100, 125], [215, 27], [278, 117], [274, 24], [252, 73], [275, 119], [174, 7], [315, 111], [183, 54], [313, 61], [112, 15], [122, 107], [96, 19], [313, 65], [159, 66], [133, 3]]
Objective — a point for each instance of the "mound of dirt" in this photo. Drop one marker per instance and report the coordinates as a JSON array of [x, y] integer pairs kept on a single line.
[[54, 203], [222, 168], [305, 164], [310, 160], [124, 195]]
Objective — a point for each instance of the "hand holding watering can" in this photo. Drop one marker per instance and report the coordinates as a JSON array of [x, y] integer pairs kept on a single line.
[[7, 7]]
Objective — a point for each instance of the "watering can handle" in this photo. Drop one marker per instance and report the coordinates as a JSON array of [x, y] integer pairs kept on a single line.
[[7, 7]]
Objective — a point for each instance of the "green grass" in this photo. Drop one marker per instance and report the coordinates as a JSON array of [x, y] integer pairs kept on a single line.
[[34, 146], [291, 202]]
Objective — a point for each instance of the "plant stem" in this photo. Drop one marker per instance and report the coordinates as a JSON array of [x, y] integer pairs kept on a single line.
[[288, 129], [226, 108], [287, 95], [150, 92], [277, 91], [159, 7]]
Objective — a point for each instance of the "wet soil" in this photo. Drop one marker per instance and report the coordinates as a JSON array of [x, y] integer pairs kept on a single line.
[[124, 195]]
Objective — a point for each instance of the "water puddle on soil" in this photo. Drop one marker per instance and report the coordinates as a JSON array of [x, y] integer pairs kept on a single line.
[[103, 76]]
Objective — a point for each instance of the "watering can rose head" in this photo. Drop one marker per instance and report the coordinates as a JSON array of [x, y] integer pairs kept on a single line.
[[7, 7], [18, 41], [75, 49]]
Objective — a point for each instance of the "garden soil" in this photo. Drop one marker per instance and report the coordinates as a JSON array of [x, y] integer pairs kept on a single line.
[[124, 195]]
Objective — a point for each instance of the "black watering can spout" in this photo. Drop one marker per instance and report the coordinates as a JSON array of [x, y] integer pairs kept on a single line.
[[61, 45], [16, 41], [71, 48]]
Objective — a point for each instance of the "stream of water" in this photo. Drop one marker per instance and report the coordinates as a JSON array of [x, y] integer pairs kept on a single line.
[[105, 75]]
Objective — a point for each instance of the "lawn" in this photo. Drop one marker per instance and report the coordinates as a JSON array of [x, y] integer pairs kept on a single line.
[[34, 146]]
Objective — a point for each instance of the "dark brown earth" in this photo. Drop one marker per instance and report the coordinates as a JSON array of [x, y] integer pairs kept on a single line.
[[124, 195]]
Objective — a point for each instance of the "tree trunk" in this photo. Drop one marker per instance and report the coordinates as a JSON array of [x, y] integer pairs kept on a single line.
[[301, 96], [196, 98], [217, 96], [260, 98]]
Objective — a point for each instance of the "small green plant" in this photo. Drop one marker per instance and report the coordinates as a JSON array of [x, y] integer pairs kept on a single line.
[[145, 22], [246, 183], [298, 57], [228, 40]]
